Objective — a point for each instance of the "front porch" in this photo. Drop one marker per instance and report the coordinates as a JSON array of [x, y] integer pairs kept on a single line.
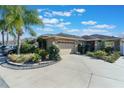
[[92, 45]]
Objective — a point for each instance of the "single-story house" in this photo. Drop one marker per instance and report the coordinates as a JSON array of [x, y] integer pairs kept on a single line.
[[69, 43]]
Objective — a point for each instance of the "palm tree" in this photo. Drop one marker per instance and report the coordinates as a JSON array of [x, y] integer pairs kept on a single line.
[[23, 21], [18, 19], [5, 22], [2, 29]]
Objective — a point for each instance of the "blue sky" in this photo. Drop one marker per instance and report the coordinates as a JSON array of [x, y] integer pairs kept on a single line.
[[80, 19]]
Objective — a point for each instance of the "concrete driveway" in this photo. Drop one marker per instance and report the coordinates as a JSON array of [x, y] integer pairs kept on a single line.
[[72, 71]]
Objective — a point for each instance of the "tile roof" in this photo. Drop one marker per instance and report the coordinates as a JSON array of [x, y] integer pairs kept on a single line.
[[100, 37], [85, 37]]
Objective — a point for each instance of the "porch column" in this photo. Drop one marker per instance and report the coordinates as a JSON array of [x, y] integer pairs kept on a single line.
[[76, 45], [96, 45]]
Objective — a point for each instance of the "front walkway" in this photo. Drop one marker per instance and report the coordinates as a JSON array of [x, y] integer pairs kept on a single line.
[[72, 71]]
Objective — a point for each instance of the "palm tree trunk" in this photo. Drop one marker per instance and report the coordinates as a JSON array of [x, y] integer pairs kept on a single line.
[[7, 38], [18, 44], [3, 43], [14, 40]]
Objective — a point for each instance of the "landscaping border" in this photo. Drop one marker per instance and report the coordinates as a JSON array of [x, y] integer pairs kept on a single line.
[[19, 66]]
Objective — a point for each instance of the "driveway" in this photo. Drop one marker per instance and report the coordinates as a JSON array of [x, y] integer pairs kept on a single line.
[[72, 71]]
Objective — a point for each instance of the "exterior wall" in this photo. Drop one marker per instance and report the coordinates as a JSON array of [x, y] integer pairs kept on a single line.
[[117, 45], [49, 43], [122, 47], [108, 43]]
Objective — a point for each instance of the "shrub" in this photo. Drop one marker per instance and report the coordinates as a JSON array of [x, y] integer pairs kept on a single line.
[[23, 58], [54, 53], [109, 50], [37, 51], [27, 48], [113, 57], [109, 59], [97, 54], [100, 54], [103, 55], [116, 55], [43, 54], [36, 58], [91, 54]]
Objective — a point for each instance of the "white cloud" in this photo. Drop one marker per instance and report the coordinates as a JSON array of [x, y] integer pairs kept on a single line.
[[48, 29], [104, 26], [94, 31], [68, 13], [61, 13], [79, 10], [63, 25], [43, 9], [53, 22], [88, 22], [61, 20], [49, 25], [40, 16], [45, 29], [50, 21], [48, 14], [39, 10], [72, 30], [120, 35]]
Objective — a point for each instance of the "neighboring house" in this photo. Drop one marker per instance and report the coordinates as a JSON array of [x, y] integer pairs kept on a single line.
[[69, 43]]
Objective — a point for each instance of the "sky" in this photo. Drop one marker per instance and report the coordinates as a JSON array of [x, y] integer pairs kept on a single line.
[[80, 19]]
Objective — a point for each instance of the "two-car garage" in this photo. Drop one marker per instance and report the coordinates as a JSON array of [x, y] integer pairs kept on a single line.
[[65, 47], [65, 44]]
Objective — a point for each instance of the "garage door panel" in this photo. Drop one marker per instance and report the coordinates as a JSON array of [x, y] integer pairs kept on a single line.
[[65, 51], [65, 45], [65, 48]]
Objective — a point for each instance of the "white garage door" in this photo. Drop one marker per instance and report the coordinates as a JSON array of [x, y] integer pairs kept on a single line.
[[65, 47]]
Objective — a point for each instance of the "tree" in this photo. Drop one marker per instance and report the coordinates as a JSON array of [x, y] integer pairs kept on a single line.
[[5, 22], [19, 19], [23, 21], [2, 31]]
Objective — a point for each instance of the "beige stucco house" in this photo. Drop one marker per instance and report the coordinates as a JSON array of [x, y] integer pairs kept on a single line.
[[68, 43]]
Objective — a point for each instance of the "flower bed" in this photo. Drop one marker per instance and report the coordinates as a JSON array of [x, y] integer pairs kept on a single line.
[[21, 66], [23, 58], [26, 61]]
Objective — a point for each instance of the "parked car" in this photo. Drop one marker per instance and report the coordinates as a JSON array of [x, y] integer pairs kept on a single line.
[[5, 50]]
